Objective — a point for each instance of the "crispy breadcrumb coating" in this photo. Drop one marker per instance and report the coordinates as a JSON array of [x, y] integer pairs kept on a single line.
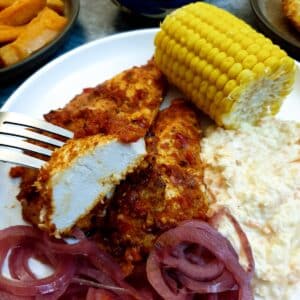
[[167, 191], [124, 106]]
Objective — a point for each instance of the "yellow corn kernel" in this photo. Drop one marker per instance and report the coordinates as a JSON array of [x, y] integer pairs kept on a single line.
[[195, 61], [226, 64], [206, 71], [207, 47], [253, 49], [212, 54], [229, 87], [246, 42], [214, 75], [241, 55], [203, 87], [189, 75], [272, 62], [249, 61], [221, 81], [288, 63], [219, 58], [259, 69], [218, 39], [263, 54], [188, 58], [165, 42], [233, 49], [245, 76], [209, 96], [226, 44], [235, 70], [198, 45], [196, 81], [230, 71], [182, 53], [213, 107], [171, 45], [201, 65]]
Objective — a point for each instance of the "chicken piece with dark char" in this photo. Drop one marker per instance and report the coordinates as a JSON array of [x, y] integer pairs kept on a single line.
[[123, 106], [165, 191]]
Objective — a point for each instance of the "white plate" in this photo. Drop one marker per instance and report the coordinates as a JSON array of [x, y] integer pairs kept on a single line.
[[57, 83]]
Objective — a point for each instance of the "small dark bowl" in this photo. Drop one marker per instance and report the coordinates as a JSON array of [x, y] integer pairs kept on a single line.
[[37, 59], [151, 8], [275, 25]]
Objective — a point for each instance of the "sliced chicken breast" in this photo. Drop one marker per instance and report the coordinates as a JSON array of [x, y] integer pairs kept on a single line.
[[80, 175]]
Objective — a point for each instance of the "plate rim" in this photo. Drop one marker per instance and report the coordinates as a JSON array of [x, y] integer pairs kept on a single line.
[[261, 16], [121, 35], [73, 52]]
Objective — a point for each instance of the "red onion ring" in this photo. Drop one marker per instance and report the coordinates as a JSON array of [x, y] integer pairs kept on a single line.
[[16, 236], [81, 264], [103, 269], [207, 271], [178, 284], [215, 220], [18, 264], [222, 283], [89, 249], [177, 268]]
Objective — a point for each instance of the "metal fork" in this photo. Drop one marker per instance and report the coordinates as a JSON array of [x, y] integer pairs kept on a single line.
[[15, 133]]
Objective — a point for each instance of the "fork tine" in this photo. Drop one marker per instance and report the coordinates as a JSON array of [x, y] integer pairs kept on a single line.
[[19, 119], [23, 145], [18, 125], [24, 133], [20, 159]]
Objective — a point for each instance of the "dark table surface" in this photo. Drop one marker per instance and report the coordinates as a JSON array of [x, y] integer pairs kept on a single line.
[[99, 18]]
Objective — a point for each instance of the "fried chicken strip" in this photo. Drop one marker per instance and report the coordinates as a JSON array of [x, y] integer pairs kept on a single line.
[[164, 193], [123, 107]]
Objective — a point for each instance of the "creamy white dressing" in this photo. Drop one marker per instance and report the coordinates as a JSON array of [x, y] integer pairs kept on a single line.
[[255, 173]]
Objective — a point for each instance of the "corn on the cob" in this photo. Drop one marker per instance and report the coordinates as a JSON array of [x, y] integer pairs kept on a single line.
[[230, 71]]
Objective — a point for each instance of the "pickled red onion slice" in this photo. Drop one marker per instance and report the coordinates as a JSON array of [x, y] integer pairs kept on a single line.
[[80, 268], [194, 258]]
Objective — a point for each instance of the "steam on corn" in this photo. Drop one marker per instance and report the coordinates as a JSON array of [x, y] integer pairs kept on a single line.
[[230, 71]]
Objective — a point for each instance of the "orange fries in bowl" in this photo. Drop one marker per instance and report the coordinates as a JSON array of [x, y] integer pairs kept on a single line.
[[28, 26]]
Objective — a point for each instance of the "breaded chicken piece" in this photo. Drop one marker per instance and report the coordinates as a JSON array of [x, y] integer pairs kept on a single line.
[[166, 192], [81, 174], [291, 10], [123, 106]]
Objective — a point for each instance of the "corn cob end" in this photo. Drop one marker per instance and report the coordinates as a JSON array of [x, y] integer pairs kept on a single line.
[[231, 72]]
